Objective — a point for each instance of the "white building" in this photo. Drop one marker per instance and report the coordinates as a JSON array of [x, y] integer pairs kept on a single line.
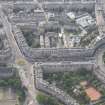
[[71, 15], [85, 20]]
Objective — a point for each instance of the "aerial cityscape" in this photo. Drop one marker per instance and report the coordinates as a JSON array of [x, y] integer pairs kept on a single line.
[[52, 52]]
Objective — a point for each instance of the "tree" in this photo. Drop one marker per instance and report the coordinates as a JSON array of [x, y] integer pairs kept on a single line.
[[41, 98], [21, 95], [46, 100], [51, 101]]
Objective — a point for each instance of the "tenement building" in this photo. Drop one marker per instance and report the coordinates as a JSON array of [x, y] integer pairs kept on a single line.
[[53, 37]]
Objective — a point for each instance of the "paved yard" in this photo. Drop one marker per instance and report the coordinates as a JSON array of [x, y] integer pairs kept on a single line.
[[7, 97], [8, 102]]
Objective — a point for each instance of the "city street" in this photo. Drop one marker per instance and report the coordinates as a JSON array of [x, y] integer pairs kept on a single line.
[[27, 69]]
